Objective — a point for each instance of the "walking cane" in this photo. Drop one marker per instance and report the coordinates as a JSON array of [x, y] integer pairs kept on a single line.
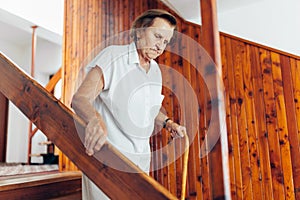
[[185, 165]]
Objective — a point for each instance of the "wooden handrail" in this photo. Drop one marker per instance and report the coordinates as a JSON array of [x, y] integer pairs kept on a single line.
[[50, 88], [53, 81], [66, 129]]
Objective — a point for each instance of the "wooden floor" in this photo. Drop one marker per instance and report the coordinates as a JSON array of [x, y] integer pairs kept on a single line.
[[44, 185]]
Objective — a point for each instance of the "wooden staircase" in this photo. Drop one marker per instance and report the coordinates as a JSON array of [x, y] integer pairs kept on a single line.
[[66, 129]]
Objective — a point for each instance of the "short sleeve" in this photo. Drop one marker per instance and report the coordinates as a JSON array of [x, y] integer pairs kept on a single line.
[[104, 61]]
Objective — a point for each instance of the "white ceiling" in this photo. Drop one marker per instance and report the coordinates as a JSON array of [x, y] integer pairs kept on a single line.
[[190, 9], [17, 30]]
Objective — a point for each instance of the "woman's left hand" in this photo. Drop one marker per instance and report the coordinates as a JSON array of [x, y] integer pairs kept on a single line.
[[176, 130]]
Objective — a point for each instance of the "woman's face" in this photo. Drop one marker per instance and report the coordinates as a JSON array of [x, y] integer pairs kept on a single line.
[[153, 40]]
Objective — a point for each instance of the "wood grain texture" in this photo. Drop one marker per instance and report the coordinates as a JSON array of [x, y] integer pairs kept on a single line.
[[262, 114], [3, 126], [218, 156], [66, 131], [62, 185]]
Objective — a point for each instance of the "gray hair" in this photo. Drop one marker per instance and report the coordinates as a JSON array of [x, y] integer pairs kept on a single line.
[[146, 20]]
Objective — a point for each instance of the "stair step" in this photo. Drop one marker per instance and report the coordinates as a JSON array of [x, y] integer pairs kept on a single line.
[[58, 185]]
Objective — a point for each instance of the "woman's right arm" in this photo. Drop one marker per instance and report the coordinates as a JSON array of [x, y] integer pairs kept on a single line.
[[82, 103]]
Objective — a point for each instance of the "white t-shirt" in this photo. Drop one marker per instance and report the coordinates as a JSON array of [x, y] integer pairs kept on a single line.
[[129, 102]]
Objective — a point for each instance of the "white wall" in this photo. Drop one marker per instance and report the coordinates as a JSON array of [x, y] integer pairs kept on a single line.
[[275, 23], [45, 13], [48, 15], [48, 55]]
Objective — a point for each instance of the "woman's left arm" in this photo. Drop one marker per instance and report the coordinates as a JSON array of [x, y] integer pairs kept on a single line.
[[175, 129]]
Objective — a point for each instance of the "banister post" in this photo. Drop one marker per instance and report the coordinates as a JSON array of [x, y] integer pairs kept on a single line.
[[33, 45], [3, 126], [218, 157]]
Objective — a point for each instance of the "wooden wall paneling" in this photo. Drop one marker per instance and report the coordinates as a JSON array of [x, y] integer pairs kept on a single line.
[[204, 177], [292, 128], [295, 72], [102, 24], [106, 27], [191, 121], [159, 138], [89, 7], [98, 26], [196, 78], [177, 89], [67, 47], [126, 22], [282, 126], [178, 145], [144, 5], [169, 178], [242, 121], [272, 126], [163, 150], [131, 15], [77, 57], [69, 166], [184, 105], [110, 21], [169, 109], [116, 16], [3, 126], [138, 8], [203, 170], [74, 55], [111, 26], [81, 41], [238, 166], [254, 151], [204, 119], [157, 159], [260, 121], [172, 167], [231, 147], [67, 62], [153, 146], [194, 186]]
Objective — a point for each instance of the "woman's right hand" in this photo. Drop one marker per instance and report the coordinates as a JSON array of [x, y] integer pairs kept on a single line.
[[95, 135]]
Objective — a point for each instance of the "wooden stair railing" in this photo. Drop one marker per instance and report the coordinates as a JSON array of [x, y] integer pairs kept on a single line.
[[50, 88], [65, 129]]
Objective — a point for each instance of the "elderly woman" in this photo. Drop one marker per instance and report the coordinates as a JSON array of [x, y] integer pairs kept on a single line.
[[120, 98]]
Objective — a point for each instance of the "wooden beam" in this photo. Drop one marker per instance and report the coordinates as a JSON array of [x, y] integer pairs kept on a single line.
[[66, 130], [3, 126], [218, 156]]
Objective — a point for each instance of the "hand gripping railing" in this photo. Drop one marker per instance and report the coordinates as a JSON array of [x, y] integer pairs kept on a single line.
[[58, 123]]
